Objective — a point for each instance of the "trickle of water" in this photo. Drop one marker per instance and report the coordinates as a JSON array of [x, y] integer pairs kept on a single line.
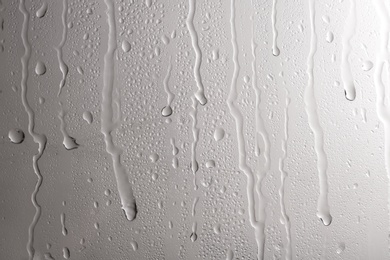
[[16, 136], [107, 119], [275, 48], [200, 96], [311, 109], [40, 68], [167, 110], [346, 72]]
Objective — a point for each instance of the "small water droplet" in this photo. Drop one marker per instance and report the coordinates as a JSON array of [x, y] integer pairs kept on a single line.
[[210, 164], [340, 248], [367, 65], [329, 37], [154, 157]]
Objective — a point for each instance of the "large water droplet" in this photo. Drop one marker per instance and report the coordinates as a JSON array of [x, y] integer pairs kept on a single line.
[[40, 68], [166, 111], [126, 47], [16, 136]]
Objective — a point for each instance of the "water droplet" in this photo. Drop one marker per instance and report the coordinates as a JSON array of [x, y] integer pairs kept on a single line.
[[329, 37], [166, 111], [16, 135], [134, 245], [42, 11], [40, 68], [154, 157], [219, 134], [367, 65], [165, 39], [87, 116], [340, 248], [210, 164], [193, 236], [70, 143], [66, 253], [126, 47]]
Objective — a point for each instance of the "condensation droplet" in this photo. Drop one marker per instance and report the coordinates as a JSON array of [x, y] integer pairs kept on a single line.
[[40, 68], [16, 136]]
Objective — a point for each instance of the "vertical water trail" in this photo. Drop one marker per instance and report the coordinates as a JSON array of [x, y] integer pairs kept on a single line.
[[314, 122], [382, 58], [195, 132], [63, 66], [275, 49], [64, 229], [261, 131], [167, 110], [39, 139], [199, 95], [346, 72], [235, 112], [283, 175], [69, 142], [108, 125]]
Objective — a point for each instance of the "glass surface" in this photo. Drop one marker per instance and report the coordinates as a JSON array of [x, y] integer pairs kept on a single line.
[[194, 129]]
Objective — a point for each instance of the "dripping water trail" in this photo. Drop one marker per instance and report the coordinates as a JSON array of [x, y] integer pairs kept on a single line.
[[63, 66], [382, 109], [167, 110], [275, 49], [235, 112], [195, 132], [107, 116], [261, 132], [346, 72], [69, 142], [283, 175], [311, 109], [200, 96], [39, 139]]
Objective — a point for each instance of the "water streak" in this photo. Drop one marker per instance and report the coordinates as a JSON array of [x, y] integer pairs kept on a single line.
[[235, 112], [346, 72], [63, 66], [283, 175], [107, 115], [314, 122], [39, 139], [195, 45], [195, 132], [275, 49], [382, 58], [167, 110]]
